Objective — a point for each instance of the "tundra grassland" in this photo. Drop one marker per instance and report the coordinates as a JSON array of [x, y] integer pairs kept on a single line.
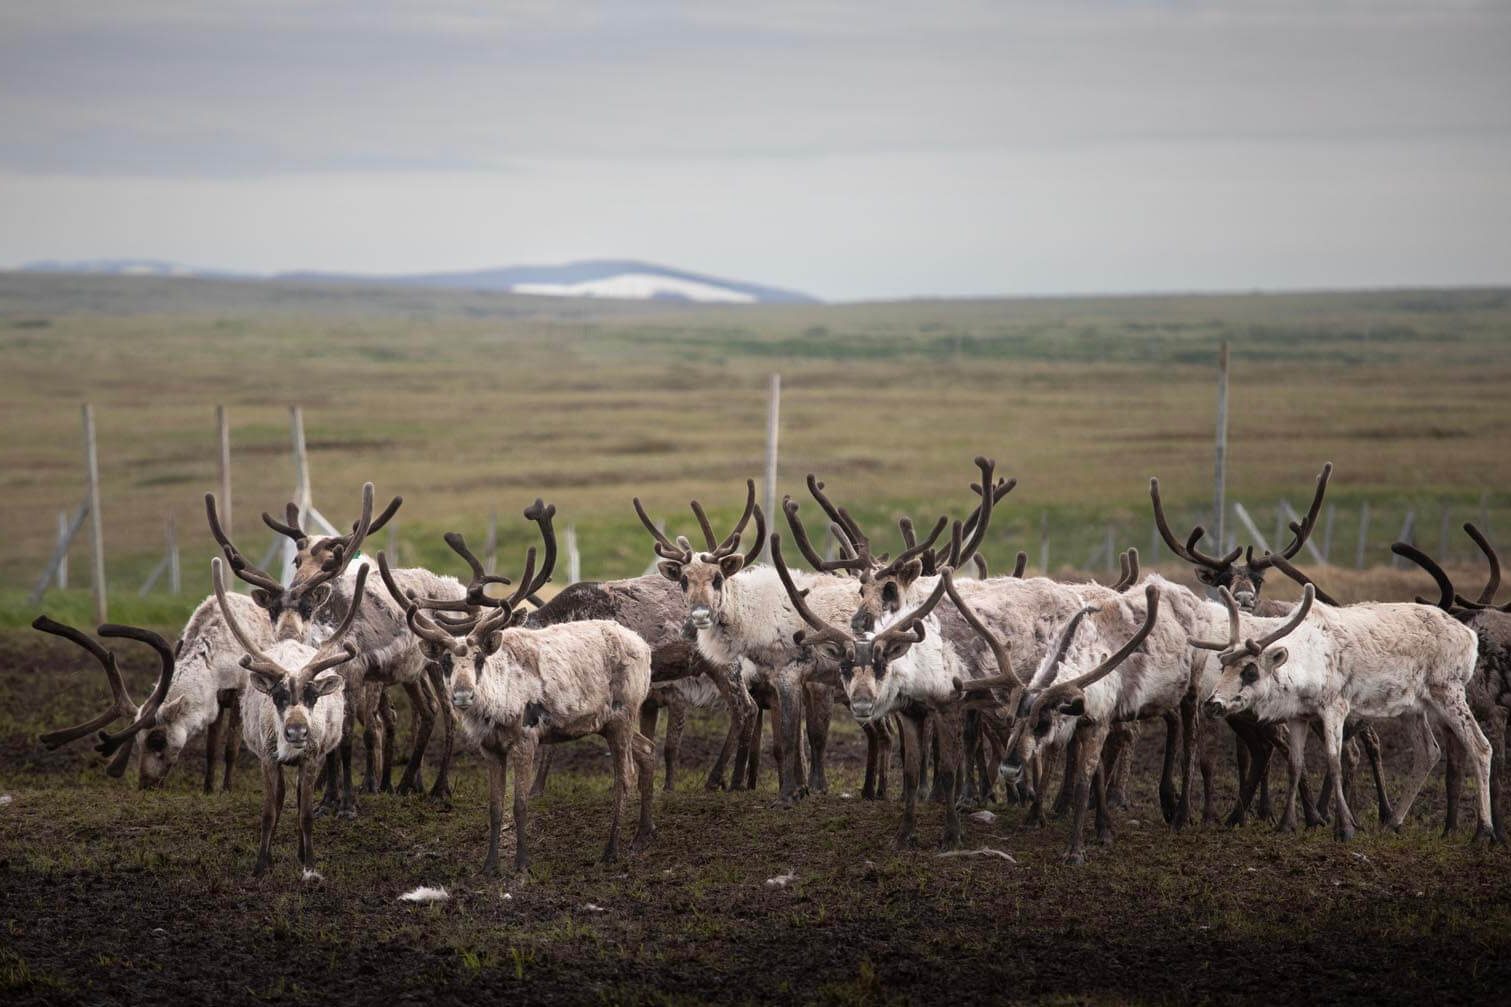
[[111, 895], [470, 403]]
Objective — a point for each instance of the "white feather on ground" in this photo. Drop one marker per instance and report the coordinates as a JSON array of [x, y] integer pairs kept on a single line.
[[425, 894], [782, 880], [985, 851]]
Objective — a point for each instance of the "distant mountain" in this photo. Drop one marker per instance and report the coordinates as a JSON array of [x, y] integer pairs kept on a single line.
[[624, 279], [619, 278], [120, 267]]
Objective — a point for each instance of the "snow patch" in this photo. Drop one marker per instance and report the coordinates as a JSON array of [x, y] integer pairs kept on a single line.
[[639, 287], [425, 894]]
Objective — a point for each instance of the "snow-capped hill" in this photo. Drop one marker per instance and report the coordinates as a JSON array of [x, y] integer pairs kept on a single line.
[[640, 287], [113, 267]]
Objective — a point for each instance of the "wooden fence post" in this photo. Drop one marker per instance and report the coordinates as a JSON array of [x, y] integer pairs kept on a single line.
[[223, 432], [175, 582], [96, 525], [1363, 534], [574, 557], [1220, 475], [1327, 534], [773, 427], [62, 543], [1044, 542]]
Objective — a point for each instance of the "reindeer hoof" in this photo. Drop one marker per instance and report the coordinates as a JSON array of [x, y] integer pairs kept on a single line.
[[642, 841], [1075, 857]]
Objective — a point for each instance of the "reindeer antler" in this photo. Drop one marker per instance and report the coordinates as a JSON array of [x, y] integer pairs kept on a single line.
[[1300, 531], [1187, 550], [238, 562], [824, 629]]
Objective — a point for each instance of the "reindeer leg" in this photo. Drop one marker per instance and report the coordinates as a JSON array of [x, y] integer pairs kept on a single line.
[[753, 741], [1455, 713], [1296, 748], [233, 741], [650, 712], [521, 758], [1167, 769], [1114, 749], [1088, 752], [676, 723], [912, 757], [272, 804], [883, 757], [423, 720], [620, 752], [1067, 779], [644, 752], [789, 732], [1424, 755], [735, 701], [1120, 770], [540, 769], [818, 711], [440, 790], [1332, 733], [1190, 733], [948, 729], [308, 771], [497, 777], [868, 789], [1371, 742], [212, 747]]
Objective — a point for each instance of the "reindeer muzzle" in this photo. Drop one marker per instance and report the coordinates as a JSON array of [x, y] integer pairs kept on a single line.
[[701, 617], [296, 734], [462, 698], [1215, 708]]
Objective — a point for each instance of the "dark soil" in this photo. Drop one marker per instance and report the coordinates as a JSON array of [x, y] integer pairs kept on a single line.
[[109, 895]]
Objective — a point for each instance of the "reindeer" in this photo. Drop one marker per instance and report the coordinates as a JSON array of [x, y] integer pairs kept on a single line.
[[903, 670], [743, 623], [882, 584], [516, 688], [202, 698], [1257, 744], [388, 653], [1489, 692], [116, 747], [291, 717], [1380, 660]]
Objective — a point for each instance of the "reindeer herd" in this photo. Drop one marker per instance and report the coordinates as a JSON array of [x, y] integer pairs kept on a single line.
[[986, 684]]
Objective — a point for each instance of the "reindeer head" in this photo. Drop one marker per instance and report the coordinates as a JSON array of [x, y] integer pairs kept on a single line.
[[1249, 666], [291, 609], [295, 694], [1491, 622], [315, 555], [1244, 581], [461, 644], [884, 584], [1050, 713], [702, 576], [116, 747], [863, 660]]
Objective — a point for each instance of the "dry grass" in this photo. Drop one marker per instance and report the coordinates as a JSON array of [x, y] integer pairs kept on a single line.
[[467, 403]]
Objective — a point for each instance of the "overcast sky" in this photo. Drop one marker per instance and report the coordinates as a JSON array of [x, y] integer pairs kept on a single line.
[[852, 150]]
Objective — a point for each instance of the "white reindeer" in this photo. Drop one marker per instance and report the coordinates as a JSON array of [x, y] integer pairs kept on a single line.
[[292, 715], [517, 688], [1377, 660]]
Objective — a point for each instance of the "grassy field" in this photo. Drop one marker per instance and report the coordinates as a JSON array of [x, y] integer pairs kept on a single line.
[[472, 403], [112, 895]]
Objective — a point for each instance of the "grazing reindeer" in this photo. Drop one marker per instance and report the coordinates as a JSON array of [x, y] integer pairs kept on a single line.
[[202, 698], [516, 688], [1489, 692], [115, 747], [388, 653], [1102, 691], [291, 717], [1380, 660], [1256, 743]]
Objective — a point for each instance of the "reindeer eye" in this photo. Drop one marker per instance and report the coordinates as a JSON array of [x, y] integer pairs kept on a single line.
[[889, 594], [683, 582], [718, 581], [1249, 675]]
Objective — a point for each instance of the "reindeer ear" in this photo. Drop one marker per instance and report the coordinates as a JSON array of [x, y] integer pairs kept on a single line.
[[170, 710], [909, 572], [893, 649], [670, 569], [1073, 707], [731, 564], [492, 643], [1276, 656], [263, 599], [264, 681], [327, 682], [431, 650]]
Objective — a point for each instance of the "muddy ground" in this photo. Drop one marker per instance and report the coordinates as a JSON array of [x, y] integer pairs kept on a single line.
[[110, 895]]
